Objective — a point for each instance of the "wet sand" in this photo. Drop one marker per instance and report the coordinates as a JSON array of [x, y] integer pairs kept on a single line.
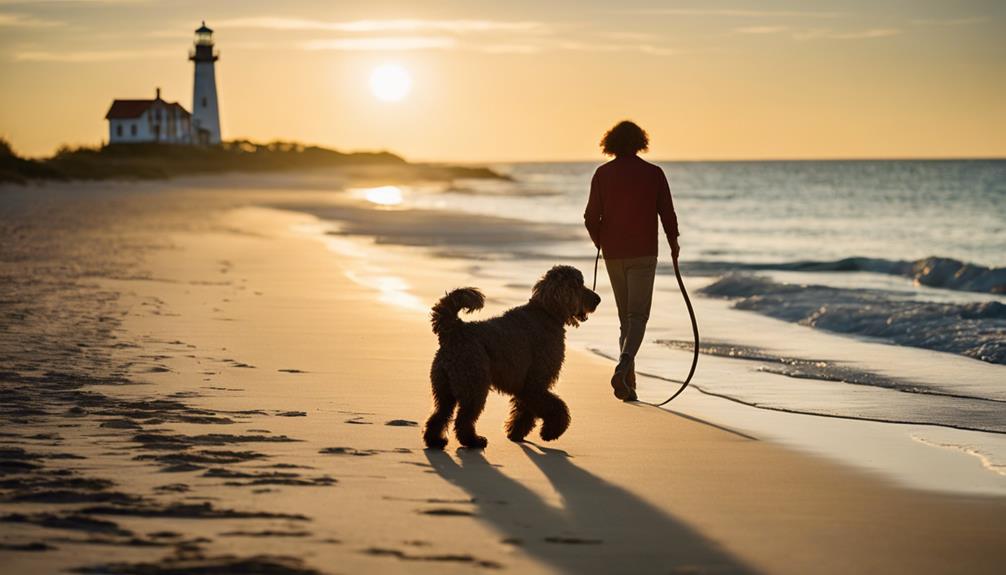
[[189, 383]]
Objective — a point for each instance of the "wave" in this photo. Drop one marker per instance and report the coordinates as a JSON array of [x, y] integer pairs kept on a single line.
[[976, 330], [946, 273]]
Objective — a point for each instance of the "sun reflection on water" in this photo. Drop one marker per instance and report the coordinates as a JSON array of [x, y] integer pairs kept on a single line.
[[391, 289], [383, 195]]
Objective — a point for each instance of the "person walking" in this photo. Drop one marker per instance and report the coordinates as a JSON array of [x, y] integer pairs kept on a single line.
[[627, 196]]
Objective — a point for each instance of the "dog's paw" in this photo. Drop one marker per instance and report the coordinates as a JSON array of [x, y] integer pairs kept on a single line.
[[436, 442], [553, 432], [550, 434], [477, 442], [516, 437]]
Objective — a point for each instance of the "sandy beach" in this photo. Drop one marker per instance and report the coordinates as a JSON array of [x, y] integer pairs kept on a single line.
[[191, 383]]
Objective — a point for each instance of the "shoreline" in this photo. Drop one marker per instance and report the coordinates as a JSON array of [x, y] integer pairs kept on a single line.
[[237, 313], [862, 443], [388, 267]]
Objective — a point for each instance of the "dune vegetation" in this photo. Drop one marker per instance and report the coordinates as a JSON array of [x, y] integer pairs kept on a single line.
[[159, 161]]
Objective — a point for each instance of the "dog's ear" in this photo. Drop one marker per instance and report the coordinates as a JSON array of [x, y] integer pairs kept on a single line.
[[559, 292]]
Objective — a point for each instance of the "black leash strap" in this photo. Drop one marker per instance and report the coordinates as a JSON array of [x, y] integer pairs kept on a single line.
[[695, 328], [695, 335], [597, 258]]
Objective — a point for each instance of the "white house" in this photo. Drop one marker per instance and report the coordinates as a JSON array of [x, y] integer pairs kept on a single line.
[[148, 121]]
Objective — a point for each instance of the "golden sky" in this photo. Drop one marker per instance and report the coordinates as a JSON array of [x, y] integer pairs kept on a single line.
[[529, 80]]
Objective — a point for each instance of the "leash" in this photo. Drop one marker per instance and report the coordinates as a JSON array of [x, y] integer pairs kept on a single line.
[[695, 328], [597, 258]]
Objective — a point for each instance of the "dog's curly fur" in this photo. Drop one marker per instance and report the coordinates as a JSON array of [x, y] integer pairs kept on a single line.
[[518, 353]]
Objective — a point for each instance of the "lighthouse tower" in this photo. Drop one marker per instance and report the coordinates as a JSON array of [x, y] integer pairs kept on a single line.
[[205, 109]]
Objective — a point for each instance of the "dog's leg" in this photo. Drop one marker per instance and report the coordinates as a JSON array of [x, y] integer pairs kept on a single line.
[[470, 406], [554, 413], [443, 408], [521, 420]]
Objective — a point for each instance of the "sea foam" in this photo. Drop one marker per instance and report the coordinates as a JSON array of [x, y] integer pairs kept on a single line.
[[976, 330]]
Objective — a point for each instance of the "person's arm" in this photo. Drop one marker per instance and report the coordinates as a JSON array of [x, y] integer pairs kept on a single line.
[[592, 214], [665, 209]]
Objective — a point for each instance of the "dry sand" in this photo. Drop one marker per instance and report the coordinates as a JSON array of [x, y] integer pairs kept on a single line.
[[188, 381]]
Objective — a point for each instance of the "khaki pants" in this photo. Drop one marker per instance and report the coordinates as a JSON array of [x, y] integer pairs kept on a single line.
[[632, 281]]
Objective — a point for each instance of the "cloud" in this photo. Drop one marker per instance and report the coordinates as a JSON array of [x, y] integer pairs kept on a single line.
[[510, 49], [9, 20], [761, 29], [949, 21], [817, 33], [616, 47], [474, 35], [631, 36], [383, 44], [733, 13], [94, 55], [397, 25]]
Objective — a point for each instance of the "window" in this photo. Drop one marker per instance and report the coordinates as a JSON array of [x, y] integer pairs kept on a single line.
[[118, 130], [132, 129], [204, 101]]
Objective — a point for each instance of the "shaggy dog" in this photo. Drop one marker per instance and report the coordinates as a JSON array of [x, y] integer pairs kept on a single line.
[[518, 353]]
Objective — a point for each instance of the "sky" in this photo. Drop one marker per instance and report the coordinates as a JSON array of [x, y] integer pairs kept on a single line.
[[529, 80]]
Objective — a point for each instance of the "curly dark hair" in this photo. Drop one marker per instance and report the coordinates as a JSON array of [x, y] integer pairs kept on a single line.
[[624, 139]]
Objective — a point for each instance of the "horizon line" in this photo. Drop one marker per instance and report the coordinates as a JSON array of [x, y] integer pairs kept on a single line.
[[731, 160]]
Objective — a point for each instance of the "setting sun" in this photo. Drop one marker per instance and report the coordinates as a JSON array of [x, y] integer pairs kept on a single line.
[[390, 82]]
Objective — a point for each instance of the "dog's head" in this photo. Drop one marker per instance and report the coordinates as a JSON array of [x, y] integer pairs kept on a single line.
[[561, 291]]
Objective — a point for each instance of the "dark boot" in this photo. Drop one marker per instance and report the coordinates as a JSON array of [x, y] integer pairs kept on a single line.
[[620, 380], [631, 381]]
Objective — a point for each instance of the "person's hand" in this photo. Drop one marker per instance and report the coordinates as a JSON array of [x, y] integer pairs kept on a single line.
[[675, 248]]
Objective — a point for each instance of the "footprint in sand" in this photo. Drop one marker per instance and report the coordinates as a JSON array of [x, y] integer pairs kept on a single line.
[[348, 451], [446, 557], [202, 564], [172, 488], [573, 541], [266, 533], [446, 512], [33, 546]]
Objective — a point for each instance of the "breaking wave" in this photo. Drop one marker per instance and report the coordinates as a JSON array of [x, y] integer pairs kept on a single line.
[[946, 273], [976, 330]]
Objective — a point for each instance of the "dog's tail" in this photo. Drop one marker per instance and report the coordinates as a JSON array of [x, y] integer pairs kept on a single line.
[[445, 313]]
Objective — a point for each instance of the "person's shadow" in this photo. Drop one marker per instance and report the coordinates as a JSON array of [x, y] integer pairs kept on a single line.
[[599, 528]]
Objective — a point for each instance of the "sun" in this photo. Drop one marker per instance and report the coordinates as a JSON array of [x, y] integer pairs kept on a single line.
[[390, 82]]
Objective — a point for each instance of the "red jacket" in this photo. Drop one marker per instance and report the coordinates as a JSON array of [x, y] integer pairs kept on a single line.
[[626, 196]]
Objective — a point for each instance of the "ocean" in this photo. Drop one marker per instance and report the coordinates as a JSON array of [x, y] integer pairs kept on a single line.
[[860, 291]]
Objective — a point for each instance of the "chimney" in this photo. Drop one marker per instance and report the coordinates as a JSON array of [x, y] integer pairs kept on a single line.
[[158, 94]]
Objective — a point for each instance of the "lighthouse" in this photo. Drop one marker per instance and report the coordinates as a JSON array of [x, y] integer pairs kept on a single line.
[[205, 108]]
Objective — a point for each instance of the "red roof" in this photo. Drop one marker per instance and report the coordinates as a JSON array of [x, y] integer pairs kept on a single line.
[[125, 109]]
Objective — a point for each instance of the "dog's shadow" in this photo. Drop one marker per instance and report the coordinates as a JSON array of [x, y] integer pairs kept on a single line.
[[599, 528]]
